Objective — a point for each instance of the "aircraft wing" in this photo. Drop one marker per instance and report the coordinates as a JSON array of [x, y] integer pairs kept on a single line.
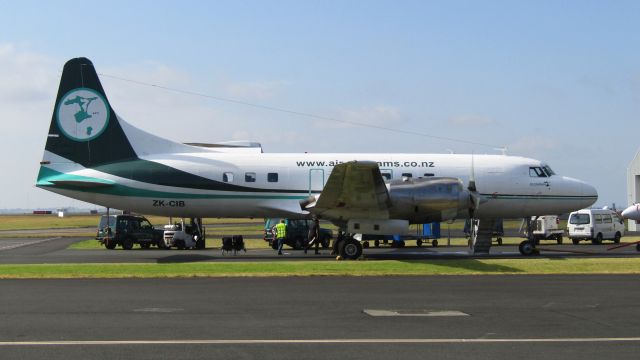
[[354, 190]]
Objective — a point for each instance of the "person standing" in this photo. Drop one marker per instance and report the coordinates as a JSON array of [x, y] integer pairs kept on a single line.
[[281, 234], [314, 235]]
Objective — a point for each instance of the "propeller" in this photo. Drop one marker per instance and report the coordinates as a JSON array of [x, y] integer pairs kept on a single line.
[[474, 196]]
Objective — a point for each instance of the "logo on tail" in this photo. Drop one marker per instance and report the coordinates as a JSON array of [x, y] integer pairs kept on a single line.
[[82, 114]]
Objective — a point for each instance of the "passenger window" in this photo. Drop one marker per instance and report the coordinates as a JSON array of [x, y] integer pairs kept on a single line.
[[272, 177], [250, 177], [227, 177], [429, 174], [409, 175], [386, 175]]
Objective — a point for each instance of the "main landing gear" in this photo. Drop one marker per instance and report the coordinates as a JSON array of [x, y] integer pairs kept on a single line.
[[347, 247]]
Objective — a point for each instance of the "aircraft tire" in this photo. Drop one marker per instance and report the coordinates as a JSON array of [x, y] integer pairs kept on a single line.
[[434, 243], [499, 240], [350, 249], [527, 248], [419, 242]]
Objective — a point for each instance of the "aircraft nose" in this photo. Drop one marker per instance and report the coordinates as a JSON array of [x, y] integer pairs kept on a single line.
[[632, 212], [589, 191], [586, 193]]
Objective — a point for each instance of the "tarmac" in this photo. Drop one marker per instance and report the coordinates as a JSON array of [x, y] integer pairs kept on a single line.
[[55, 250], [444, 317]]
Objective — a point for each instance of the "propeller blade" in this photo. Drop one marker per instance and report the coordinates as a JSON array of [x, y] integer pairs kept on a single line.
[[472, 177]]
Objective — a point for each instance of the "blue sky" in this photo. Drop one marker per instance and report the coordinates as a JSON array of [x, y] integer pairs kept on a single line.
[[557, 81]]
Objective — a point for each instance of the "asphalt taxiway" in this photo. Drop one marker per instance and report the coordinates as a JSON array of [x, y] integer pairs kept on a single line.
[[55, 250], [476, 317]]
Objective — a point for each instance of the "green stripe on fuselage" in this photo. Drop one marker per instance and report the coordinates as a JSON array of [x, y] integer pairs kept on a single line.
[[47, 175]]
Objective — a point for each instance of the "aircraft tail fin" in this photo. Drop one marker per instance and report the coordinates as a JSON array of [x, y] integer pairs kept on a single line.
[[84, 127]]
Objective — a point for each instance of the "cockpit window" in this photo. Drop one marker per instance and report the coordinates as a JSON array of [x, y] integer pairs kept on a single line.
[[548, 170], [536, 171]]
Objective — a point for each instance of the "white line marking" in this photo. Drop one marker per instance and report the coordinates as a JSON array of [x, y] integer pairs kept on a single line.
[[429, 313], [313, 341]]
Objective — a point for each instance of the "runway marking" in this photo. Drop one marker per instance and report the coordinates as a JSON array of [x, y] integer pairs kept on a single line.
[[25, 243], [427, 313], [313, 341]]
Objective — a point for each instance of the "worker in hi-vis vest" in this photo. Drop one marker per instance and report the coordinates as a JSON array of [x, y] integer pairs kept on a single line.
[[281, 233]]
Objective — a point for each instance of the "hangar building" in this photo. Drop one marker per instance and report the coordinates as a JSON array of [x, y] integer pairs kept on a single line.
[[633, 187]]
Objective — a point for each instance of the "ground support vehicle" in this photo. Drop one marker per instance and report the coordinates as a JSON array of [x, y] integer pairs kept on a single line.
[[429, 232], [297, 233], [595, 225], [183, 236], [127, 230], [546, 228]]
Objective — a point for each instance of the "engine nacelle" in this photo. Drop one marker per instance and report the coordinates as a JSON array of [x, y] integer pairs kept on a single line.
[[425, 200]]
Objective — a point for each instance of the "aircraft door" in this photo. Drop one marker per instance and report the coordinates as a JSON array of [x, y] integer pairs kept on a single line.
[[316, 180]]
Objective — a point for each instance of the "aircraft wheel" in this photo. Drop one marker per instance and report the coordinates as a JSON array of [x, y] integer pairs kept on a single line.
[[527, 248], [365, 244], [419, 242], [376, 243], [434, 243], [351, 249], [499, 240]]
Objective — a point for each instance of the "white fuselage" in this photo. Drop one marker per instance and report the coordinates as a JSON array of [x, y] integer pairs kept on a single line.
[[508, 187]]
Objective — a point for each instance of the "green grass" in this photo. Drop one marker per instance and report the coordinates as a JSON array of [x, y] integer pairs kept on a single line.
[[35, 222], [325, 268]]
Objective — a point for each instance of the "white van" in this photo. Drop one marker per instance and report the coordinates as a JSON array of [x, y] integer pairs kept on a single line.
[[595, 225]]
